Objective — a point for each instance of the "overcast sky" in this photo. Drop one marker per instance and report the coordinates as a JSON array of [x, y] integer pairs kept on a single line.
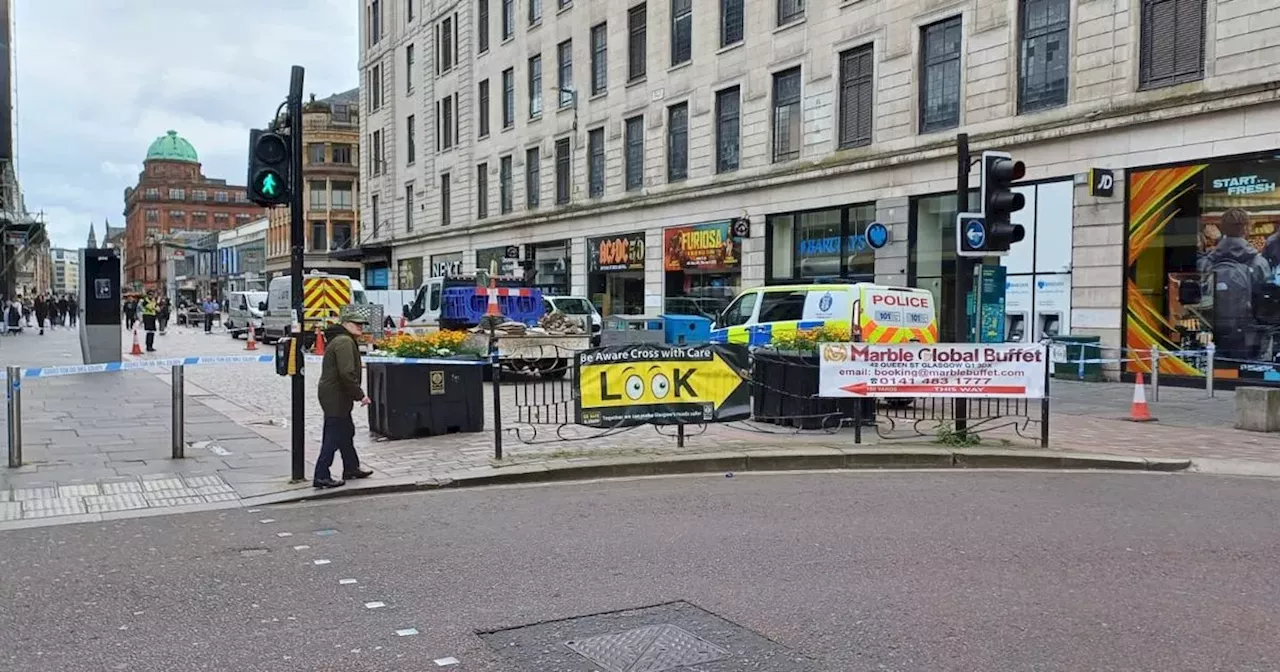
[[98, 80]]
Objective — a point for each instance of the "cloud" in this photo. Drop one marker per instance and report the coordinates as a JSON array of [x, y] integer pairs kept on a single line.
[[98, 80]]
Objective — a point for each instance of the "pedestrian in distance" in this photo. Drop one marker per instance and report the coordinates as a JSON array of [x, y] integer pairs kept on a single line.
[[62, 311], [165, 311], [42, 312], [210, 309], [130, 313], [339, 390], [149, 320], [73, 309]]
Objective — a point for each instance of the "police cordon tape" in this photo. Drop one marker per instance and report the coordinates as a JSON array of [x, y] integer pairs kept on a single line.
[[133, 365]]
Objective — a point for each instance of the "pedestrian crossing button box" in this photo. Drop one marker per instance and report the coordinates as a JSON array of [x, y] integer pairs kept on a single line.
[[288, 356]]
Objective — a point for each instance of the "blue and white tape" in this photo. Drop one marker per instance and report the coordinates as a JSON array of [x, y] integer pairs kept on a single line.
[[79, 369]]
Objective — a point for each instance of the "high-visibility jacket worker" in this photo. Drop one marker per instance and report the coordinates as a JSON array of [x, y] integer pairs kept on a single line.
[[149, 321]]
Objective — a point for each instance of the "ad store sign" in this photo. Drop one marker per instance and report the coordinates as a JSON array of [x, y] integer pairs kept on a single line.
[[616, 253], [981, 370], [702, 246]]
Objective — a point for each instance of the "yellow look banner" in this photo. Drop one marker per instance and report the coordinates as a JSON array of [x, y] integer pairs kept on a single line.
[[662, 385]]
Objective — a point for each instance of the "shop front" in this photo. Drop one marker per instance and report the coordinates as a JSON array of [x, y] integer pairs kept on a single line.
[[409, 273], [448, 264], [820, 246], [550, 262], [702, 266], [1202, 255], [615, 273], [494, 259]]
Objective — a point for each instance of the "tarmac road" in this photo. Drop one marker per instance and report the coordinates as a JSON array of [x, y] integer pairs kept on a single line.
[[991, 571]]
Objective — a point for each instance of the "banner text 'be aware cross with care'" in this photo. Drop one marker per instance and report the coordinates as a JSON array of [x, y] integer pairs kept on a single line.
[[992, 370]]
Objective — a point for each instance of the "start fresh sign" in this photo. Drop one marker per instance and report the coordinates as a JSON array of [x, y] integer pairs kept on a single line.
[[984, 370]]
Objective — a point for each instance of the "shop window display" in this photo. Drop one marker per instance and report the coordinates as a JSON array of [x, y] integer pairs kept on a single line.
[[703, 264], [1203, 259], [821, 245]]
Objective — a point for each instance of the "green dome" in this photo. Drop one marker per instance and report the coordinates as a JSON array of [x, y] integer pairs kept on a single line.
[[172, 147]]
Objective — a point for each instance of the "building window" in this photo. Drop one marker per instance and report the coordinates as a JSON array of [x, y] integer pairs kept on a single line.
[[319, 236], [564, 77], [375, 22], [242, 197], [564, 4], [445, 122], [564, 165], [535, 11], [153, 215], [340, 113], [504, 185], [677, 142], [177, 194], [199, 195], [152, 193], [856, 94], [445, 206], [727, 129], [1171, 46], [411, 140], [731, 20], [319, 195], [599, 58], [633, 141], [508, 98], [508, 19], [342, 154], [408, 206], [340, 195], [1042, 75], [373, 214], [482, 26], [786, 115], [532, 178], [482, 191], [595, 163], [535, 86], [408, 67], [408, 8], [444, 46], [200, 217], [376, 143], [341, 236], [940, 86], [375, 89], [681, 31], [483, 96], [218, 196], [636, 42], [790, 10]]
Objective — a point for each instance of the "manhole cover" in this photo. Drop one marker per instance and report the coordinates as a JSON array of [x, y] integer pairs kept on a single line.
[[674, 636], [653, 648]]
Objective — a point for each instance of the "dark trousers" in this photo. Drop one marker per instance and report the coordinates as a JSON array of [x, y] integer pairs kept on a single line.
[[338, 436], [149, 324], [208, 323]]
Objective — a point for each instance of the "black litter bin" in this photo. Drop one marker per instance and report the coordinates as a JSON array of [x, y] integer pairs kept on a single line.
[[410, 400]]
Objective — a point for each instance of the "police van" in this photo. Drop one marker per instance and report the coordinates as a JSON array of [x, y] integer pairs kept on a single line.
[[873, 313]]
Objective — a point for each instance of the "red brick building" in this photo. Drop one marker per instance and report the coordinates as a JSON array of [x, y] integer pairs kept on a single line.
[[172, 195]]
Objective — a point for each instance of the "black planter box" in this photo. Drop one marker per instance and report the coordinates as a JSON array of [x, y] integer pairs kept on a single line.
[[410, 400], [784, 385]]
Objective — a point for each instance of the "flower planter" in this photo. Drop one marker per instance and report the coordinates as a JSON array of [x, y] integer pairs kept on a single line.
[[784, 385], [410, 400]]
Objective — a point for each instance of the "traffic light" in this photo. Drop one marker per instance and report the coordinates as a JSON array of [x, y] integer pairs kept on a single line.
[[269, 168], [1000, 201]]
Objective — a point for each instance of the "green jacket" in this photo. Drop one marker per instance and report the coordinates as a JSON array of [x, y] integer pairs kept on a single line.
[[340, 373]]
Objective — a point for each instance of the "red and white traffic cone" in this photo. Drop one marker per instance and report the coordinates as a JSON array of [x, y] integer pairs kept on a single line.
[[319, 348], [492, 309], [1138, 411], [137, 346], [253, 342]]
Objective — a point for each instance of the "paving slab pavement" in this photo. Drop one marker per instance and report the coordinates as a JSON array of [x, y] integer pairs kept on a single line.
[[104, 429]]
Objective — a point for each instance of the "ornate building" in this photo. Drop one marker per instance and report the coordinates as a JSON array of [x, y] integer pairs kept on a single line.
[[173, 195]]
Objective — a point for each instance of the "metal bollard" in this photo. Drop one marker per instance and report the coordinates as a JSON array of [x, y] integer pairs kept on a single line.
[[1155, 373], [13, 395], [179, 414], [1208, 374]]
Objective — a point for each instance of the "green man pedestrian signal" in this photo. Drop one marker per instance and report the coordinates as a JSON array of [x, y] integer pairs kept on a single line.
[[269, 168], [999, 201]]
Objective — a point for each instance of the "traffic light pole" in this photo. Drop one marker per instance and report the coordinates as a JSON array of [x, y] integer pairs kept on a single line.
[[298, 464], [964, 272]]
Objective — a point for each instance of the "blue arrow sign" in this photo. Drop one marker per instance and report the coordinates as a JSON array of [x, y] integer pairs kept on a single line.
[[975, 232]]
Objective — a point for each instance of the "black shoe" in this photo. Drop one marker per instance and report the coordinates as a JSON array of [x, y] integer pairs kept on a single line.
[[358, 473], [326, 483]]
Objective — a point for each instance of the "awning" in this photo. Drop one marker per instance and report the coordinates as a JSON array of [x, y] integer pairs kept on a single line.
[[362, 253]]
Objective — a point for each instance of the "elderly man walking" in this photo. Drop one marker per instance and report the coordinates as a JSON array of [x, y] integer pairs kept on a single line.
[[340, 373]]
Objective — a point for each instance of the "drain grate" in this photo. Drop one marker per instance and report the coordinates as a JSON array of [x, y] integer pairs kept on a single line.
[[673, 636], [653, 648]]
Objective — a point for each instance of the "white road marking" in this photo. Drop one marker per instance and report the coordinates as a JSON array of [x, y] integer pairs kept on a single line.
[[320, 562]]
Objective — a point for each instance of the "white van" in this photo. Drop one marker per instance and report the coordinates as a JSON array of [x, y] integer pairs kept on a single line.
[[243, 309]]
